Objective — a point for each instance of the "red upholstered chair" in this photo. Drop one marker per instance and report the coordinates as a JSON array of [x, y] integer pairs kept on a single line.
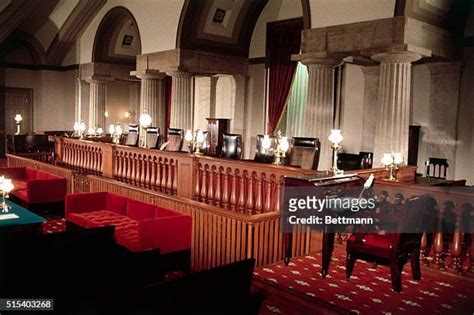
[[394, 249]]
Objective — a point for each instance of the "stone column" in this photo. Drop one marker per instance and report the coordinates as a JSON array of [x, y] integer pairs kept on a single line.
[[371, 85], [319, 118], [181, 100], [97, 100], [152, 96], [393, 113], [213, 95]]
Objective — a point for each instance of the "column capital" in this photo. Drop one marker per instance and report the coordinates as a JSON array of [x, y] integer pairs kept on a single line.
[[396, 57], [97, 79], [319, 59], [371, 71], [179, 73], [148, 74]]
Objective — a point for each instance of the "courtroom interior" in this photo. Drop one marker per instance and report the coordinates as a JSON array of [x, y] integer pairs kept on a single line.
[[150, 150]]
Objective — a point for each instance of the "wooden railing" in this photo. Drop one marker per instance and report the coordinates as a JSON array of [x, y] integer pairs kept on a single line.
[[86, 155], [219, 236]]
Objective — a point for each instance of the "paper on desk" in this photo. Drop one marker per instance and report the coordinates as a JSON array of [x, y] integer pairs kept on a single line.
[[8, 216]]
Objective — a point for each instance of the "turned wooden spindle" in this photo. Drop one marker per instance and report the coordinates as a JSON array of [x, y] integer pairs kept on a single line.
[[423, 248], [279, 197], [204, 184], [438, 245], [268, 195], [175, 176], [164, 175], [225, 190], [456, 246], [233, 190], [259, 199], [242, 181], [159, 174], [250, 192], [169, 182], [197, 191], [218, 195], [153, 174], [210, 191]]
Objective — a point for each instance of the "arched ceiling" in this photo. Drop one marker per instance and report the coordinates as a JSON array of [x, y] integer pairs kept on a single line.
[[222, 26]]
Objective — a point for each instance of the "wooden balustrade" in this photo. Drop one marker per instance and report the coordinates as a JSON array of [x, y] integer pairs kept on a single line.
[[219, 236], [455, 207], [85, 155]]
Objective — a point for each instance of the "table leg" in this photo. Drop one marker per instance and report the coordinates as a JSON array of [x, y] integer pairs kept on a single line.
[[328, 247]]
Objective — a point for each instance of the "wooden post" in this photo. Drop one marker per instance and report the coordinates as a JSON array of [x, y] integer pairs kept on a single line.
[[108, 160]]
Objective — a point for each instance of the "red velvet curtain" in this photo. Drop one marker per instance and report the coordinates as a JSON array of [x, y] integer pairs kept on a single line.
[[168, 85], [283, 40]]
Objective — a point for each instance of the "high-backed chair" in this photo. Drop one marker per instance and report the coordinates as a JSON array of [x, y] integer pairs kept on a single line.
[[366, 159], [262, 155], [205, 145], [394, 249], [232, 146], [175, 139], [305, 153], [153, 137], [132, 136], [436, 168]]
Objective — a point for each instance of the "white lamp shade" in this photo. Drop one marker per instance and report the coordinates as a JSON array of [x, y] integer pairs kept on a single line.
[[145, 120], [118, 130], [100, 131], [111, 129], [2, 178], [335, 136], [91, 131], [7, 185], [82, 126], [266, 143], [387, 159], [397, 158], [284, 145], [200, 136], [188, 136], [76, 126], [18, 118]]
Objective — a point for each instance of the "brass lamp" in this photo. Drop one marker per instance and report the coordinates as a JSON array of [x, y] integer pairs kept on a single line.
[[115, 133], [281, 146], [6, 186], [391, 161], [145, 122], [335, 138], [194, 141]]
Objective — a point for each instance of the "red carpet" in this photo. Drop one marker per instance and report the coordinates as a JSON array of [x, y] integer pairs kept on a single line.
[[369, 290]]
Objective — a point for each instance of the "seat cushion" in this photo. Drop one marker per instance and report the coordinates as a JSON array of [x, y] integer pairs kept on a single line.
[[302, 157], [128, 237], [30, 173], [102, 218], [19, 184], [383, 241]]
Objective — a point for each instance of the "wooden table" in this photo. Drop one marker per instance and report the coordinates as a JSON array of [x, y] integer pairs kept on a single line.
[[20, 218]]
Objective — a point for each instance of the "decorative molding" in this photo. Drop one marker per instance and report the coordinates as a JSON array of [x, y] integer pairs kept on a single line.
[[76, 23]]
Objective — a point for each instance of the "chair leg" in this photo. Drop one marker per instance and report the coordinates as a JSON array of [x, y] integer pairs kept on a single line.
[[415, 265], [350, 261], [396, 274]]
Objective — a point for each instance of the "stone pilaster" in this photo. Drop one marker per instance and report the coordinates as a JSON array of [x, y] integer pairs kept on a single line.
[[393, 113], [371, 86], [213, 95], [181, 100], [319, 118], [97, 100], [152, 96]]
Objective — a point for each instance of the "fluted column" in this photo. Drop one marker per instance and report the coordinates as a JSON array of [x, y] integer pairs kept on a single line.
[[319, 118], [371, 86], [152, 96], [393, 113], [181, 100], [97, 100]]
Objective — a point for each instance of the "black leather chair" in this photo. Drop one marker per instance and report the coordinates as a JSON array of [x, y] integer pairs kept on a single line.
[[175, 140], [262, 155], [232, 146], [132, 136], [305, 153], [366, 159], [153, 138], [436, 168]]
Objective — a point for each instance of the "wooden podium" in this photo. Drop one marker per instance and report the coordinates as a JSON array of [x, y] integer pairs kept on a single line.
[[216, 127]]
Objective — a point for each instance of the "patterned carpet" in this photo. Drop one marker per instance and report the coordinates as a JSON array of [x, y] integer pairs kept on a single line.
[[369, 290]]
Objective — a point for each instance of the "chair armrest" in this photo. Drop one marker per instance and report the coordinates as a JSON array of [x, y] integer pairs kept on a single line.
[[84, 202], [46, 190], [169, 234], [13, 172]]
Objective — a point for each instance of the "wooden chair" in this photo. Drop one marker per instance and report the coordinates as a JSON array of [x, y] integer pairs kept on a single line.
[[436, 168], [394, 249], [153, 137], [175, 140], [262, 155], [232, 146], [305, 153], [132, 136]]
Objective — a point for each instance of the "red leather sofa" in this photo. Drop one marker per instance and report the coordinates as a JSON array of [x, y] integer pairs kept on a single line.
[[35, 186], [138, 226]]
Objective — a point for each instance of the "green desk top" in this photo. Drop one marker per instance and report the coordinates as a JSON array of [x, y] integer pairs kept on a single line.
[[24, 216]]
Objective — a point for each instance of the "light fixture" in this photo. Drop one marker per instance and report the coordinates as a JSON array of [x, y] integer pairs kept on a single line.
[[18, 120], [99, 131], [281, 146], [266, 143], [116, 133], [391, 163], [335, 137], [82, 129], [145, 122], [91, 131], [6, 186], [111, 129], [128, 115], [195, 141], [106, 114]]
